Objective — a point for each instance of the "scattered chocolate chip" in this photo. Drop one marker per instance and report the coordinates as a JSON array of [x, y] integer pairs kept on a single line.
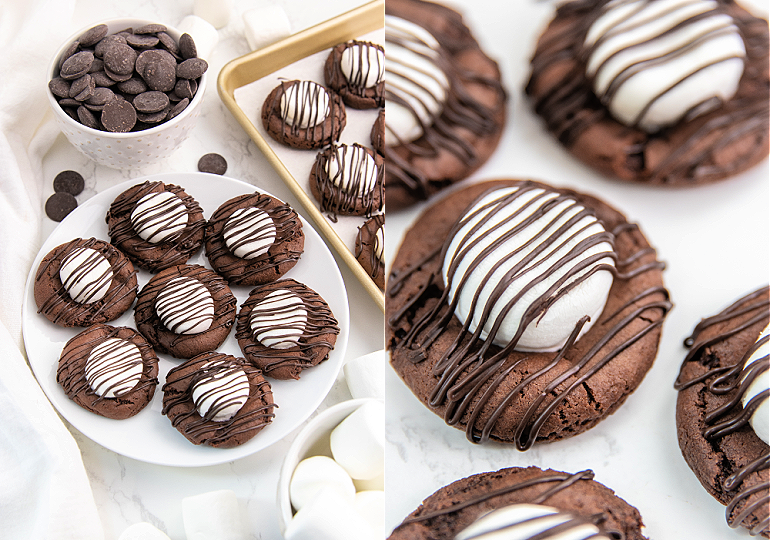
[[187, 47], [59, 205], [59, 87], [118, 116], [179, 107], [71, 182], [77, 65], [192, 68], [212, 163], [142, 41], [150, 102], [93, 35]]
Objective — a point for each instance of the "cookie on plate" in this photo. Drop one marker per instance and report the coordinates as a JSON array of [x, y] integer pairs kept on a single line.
[[253, 239], [346, 179], [722, 409], [303, 115], [109, 371], [446, 105], [156, 225], [185, 310], [356, 71], [672, 92], [285, 327], [218, 400], [523, 313], [84, 282], [550, 502], [370, 248]]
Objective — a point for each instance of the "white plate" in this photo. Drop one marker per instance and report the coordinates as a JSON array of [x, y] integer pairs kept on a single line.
[[149, 436]]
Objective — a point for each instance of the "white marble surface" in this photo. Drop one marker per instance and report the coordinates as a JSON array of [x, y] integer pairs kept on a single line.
[[128, 491], [716, 242]]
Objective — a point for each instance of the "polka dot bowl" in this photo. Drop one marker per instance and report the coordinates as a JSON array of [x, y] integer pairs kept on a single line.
[[134, 149]]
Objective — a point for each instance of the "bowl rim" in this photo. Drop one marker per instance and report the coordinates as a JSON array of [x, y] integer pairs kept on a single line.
[[116, 22]]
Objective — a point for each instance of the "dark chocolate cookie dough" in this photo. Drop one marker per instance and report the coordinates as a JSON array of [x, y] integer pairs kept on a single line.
[[369, 248], [352, 81], [503, 393]]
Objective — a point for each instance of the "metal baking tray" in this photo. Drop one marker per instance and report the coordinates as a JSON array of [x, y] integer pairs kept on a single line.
[[265, 66]]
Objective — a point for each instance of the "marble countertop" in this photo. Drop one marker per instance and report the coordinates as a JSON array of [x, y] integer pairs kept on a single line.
[[128, 491]]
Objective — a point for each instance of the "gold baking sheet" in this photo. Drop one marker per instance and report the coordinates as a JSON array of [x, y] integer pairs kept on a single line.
[[244, 83]]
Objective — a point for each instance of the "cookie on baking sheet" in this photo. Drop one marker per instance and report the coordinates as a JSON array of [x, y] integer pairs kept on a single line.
[[303, 115], [109, 371], [722, 409], [446, 106], [156, 225], [680, 100], [346, 179], [218, 400], [553, 504], [377, 134], [356, 71], [522, 312], [84, 282], [185, 310], [370, 248], [253, 239], [285, 327]]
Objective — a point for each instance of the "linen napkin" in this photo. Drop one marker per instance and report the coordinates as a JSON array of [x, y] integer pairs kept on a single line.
[[45, 494]]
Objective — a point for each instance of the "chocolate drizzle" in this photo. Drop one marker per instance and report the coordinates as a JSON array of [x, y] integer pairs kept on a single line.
[[732, 382], [375, 234], [78, 278]]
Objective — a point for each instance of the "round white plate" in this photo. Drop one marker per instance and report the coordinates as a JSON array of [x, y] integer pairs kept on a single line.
[[149, 436]]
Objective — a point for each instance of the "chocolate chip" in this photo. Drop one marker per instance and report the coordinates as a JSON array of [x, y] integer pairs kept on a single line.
[[76, 65], [183, 89], [69, 102], [96, 65], [179, 107], [82, 88], [187, 47], [150, 102], [119, 59], [93, 35], [100, 97], [71, 182], [153, 118], [69, 51], [116, 76], [134, 85], [108, 42], [192, 68], [151, 28], [118, 116], [102, 79], [87, 118], [168, 42], [142, 41], [59, 205], [156, 55], [59, 87], [160, 75], [212, 163]]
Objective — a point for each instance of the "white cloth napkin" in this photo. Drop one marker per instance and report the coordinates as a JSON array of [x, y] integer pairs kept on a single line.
[[45, 491]]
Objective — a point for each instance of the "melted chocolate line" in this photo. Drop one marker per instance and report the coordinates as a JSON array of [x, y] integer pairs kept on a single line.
[[735, 521], [358, 79], [164, 214], [340, 194], [729, 381], [375, 262], [318, 129]]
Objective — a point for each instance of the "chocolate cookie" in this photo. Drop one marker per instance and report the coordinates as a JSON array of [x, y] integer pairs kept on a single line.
[[157, 225], [356, 70], [377, 134], [253, 239], [109, 371], [370, 246], [303, 114], [285, 327], [517, 495], [185, 310], [347, 180], [84, 282], [218, 400], [445, 102], [527, 315], [688, 104], [722, 410]]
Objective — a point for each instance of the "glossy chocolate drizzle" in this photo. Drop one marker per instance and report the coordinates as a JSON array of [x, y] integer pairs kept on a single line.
[[321, 123], [375, 262], [470, 370], [80, 274], [311, 347], [734, 379]]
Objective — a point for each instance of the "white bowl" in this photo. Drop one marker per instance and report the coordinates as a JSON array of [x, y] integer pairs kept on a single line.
[[312, 440], [126, 150]]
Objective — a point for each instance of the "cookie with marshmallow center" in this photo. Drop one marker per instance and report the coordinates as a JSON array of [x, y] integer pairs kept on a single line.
[[665, 92], [356, 71], [370, 248], [523, 313]]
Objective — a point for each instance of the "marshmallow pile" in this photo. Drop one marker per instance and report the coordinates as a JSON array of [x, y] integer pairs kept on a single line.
[[341, 497]]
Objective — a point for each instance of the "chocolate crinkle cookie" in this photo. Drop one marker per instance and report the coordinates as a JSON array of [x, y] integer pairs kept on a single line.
[[254, 239], [669, 93], [722, 409], [109, 371], [84, 282], [356, 71], [156, 225], [217, 400], [285, 327], [524, 313], [537, 504]]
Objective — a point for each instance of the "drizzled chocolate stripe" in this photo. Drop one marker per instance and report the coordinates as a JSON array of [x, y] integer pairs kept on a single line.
[[112, 368], [321, 123], [377, 246], [78, 276], [733, 381], [540, 523]]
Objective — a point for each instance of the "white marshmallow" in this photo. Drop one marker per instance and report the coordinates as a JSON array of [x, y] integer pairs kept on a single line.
[[158, 217], [203, 33], [760, 420], [329, 516], [249, 232], [371, 484], [279, 319], [305, 104], [212, 516], [365, 375], [265, 25], [315, 473], [216, 12], [185, 306], [86, 275], [352, 169], [220, 390], [371, 506], [142, 531], [363, 65], [358, 442], [114, 367]]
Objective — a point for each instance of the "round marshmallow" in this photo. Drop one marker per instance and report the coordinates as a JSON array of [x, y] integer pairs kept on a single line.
[[219, 390], [352, 169], [371, 484], [757, 366], [203, 33], [86, 275], [212, 516], [142, 531], [305, 104], [279, 320], [159, 217], [216, 12], [114, 367], [185, 306], [363, 65], [365, 375], [249, 232], [329, 516], [265, 25], [358, 442], [370, 505], [313, 474]]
